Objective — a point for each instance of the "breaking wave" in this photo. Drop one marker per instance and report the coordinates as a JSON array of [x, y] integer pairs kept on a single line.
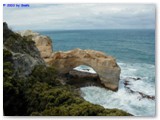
[[136, 93]]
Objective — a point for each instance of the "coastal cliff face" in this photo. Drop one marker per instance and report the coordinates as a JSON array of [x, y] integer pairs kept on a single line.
[[105, 66], [43, 43], [25, 54]]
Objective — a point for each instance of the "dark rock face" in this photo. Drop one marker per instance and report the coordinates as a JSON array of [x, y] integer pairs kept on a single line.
[[24, 63], [5, 26], [6, 31], [81, 79], [25, 54], [80, 74]]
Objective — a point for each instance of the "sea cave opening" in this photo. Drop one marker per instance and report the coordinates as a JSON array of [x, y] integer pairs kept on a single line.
[[83, 75]]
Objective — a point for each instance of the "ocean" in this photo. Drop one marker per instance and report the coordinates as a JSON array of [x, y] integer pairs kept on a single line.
[[134, 51]]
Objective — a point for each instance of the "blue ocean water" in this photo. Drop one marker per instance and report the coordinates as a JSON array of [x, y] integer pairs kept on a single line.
[[125, 45], [134, 51]]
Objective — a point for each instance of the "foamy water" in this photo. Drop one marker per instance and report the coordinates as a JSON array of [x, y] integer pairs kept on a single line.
[[84, 68], [136, 93]]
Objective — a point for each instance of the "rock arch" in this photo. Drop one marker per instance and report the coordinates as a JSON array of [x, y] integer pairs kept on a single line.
[[105, 66]]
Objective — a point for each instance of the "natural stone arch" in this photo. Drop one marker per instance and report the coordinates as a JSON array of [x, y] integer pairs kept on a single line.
[[105, 66]]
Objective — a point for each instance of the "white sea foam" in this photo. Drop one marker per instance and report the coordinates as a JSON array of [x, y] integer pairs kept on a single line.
[[145, 73], [141, 79], [84, 68]]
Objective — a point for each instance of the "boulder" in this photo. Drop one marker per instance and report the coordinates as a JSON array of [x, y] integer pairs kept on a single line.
[[43, 43], [105, 66]]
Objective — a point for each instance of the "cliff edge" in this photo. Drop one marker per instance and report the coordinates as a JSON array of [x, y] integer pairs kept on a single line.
[[43, 43], [25, 54]]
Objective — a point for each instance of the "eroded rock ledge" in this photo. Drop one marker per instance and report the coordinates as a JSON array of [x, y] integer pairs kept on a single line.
[[105, 66]]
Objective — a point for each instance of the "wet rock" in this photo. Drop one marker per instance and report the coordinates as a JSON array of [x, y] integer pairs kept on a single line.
[[142, 95], [126, 83], [136, 78], [146, 96]]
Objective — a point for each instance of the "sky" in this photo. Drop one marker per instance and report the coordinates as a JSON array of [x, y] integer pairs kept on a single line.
[[80, 16]]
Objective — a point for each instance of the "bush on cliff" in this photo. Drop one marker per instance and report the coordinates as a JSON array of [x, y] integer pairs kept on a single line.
[[13, 94], [52, 98], [42, 73], [42, 94]]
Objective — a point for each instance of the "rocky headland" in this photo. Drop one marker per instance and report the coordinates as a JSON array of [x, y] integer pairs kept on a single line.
[[31, 84]]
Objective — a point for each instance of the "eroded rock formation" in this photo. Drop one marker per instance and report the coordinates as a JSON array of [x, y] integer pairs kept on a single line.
[[105, 66], [43, 43]]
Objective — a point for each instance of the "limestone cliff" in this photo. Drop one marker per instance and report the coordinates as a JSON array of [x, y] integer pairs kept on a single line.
[[105, 66], [43, 43], [24, 52]]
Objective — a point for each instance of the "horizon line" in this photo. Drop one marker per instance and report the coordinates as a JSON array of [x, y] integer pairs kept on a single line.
[[88, 29]]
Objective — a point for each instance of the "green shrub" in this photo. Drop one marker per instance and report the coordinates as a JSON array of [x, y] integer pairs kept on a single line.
[[13, 94], [42, 73]]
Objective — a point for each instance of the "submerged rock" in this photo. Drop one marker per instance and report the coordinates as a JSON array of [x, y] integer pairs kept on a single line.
[[105, 66], [142, 95]]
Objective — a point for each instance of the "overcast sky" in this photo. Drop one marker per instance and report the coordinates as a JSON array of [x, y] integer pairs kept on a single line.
[[81, 16]]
